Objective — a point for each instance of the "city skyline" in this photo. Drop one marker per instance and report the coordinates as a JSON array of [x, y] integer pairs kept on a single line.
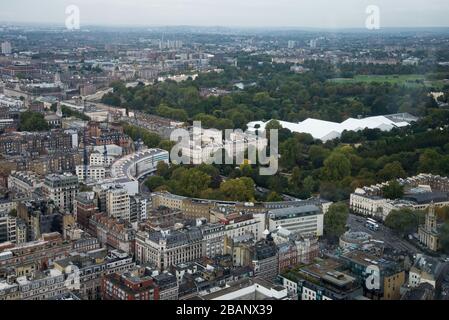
[[266, 13]]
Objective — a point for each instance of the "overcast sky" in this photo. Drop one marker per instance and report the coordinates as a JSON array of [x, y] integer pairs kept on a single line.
[[260, 13]]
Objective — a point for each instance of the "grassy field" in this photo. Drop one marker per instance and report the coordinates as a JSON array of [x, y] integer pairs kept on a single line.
[[412, 80]]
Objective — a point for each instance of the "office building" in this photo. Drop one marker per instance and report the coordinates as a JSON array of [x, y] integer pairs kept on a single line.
[[304, 220], [90, 172], [85, 207], [62, 189], [265, 259], [6, 48], [382, 285], [8, 225], [118, 203], [169, 247]]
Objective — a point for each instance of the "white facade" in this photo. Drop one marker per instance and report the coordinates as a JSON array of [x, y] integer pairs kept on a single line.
[[165, 251], [8, 226], [117, 203], [93, 172], [422, 272], [7, 205], [23, 181], [138, 164], [99, 159], [213, 237], [6, 48], [417, 277], [304, 220], [375, 206], [50, 286], [371, 206], [255, 226], [307, 293], [112, 150], [11, 102], [258, 288], [62, 189]]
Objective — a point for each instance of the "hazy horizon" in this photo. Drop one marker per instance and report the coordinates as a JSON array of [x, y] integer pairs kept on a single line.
[[317, 14]]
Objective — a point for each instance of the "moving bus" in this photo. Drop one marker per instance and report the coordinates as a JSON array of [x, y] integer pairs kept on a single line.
[[371, 224]]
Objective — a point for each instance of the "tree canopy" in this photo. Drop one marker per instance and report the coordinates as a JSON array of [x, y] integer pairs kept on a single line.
[[394, 190], [33, 121], [335, 220], [404, 221]]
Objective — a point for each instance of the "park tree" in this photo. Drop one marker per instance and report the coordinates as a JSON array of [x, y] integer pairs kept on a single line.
[[290, 151], [295, 178], [442, 213], [213, 173], [246, 170], [335, 220], [154, 182], [172, 113], [309, 184], [166, 145], [239, 189], [274, 197], [334, 191], [404, 221], [193, 181], [112, 99], [277, 183], [317, 155], [391, 171], [273, 124], [337, 167], [150, 139], [429, 161], [393, 190], [163, 170], [33, 121]]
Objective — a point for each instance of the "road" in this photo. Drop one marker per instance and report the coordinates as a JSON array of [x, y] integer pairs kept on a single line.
[[98, 95], [357, 223], [143, 189]]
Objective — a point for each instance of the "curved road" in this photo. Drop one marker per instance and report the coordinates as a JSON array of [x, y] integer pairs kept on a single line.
[[357, 223]]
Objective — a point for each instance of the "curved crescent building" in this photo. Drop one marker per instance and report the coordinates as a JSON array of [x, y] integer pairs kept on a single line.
[[136, 165]]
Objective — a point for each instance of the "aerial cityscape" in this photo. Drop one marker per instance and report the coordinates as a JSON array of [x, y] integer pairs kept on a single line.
[[215, 157]]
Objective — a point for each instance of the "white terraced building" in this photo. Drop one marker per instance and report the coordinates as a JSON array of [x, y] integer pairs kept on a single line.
[[420, 191], [327, 130], [99, 159], [93, 172], [11, 102], [136, 165], [24, 181]]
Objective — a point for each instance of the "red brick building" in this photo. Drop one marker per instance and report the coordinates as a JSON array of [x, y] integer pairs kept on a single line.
[[85, 208], [288, 256], [128, 286]]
